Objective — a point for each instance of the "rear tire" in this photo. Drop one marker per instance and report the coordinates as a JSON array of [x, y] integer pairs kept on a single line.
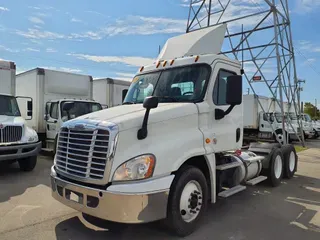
[[28, 164], [188, 201], [290, 160], [275, 171]]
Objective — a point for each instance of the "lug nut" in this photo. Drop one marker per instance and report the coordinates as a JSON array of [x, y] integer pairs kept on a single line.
[[197, 209]]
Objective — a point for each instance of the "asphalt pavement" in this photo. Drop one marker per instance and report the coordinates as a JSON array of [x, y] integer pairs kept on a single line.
[[290, 211]]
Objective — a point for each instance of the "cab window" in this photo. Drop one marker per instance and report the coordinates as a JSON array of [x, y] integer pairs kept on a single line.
[[220, 89]]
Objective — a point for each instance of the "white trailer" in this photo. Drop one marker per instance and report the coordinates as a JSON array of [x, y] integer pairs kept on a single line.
[[110, 92], [168, 152], [49, 90], [18, 142], [262, 122]]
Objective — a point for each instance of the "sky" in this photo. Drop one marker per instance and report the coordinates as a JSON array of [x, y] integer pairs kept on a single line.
[[114, 38]]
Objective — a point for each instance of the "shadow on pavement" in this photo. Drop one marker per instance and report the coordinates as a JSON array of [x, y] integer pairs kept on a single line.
[[290, 211], [14, 182]]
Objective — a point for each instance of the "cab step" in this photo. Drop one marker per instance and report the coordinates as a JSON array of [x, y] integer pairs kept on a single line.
[[46, 150], [256, 180], [232, 191], [228, 166]]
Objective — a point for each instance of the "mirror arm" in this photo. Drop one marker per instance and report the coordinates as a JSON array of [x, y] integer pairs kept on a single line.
[[220, 114], [143, 131]]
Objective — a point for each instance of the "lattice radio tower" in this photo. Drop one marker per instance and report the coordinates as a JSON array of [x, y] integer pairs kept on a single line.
[[259, 35]]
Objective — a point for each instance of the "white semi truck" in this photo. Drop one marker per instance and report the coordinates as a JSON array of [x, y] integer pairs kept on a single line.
[[18, 142], [309, 129], [50, 90], [110, 92], [264, 121], [174, 145]]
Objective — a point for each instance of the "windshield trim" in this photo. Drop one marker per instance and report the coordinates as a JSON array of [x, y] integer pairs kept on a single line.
[[61, 103], [205, 86]]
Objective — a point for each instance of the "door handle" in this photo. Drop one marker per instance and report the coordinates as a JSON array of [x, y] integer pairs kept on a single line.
[[55, 121]]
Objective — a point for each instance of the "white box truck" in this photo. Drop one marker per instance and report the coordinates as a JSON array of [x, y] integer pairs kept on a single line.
[[110, 92], [173, 147], [18, 142], [50, 90], [262, 118]]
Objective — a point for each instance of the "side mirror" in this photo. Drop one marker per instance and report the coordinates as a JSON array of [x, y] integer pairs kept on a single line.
[[124, 94], [150, 102], [234, 90], [29, 108], [67, 106]]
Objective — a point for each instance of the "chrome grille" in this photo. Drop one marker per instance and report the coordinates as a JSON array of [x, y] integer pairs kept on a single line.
[[83, 153], [10, 134]]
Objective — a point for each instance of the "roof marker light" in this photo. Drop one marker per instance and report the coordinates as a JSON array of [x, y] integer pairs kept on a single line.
[[172, 61], [141, 69], [158, 64], [197, 58], [164, 63]]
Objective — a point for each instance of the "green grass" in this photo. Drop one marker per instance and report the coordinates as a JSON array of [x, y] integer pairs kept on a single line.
[[300, 148]]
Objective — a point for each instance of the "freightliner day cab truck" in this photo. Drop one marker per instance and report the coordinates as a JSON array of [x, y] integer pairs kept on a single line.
[[50, 90], [267, 124], [18, 142], [172, 148], [110, 92]]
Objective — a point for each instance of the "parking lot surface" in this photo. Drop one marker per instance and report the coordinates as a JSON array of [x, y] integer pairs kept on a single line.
[[290, 211]]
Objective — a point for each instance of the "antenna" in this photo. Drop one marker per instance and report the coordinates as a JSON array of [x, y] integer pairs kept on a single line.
[[262, 34]]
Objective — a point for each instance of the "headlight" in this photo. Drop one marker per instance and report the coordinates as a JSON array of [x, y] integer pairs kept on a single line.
[[140, 167], [33, 139]]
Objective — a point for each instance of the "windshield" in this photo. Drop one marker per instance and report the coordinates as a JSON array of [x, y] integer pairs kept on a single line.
[[293, 116], [79, 109], [307, 117], [182, 84], [279, 117], [9, 106]]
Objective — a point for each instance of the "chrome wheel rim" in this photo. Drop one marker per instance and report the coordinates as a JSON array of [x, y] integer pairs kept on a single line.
[[278, 167], [191, 201], [292, 161]]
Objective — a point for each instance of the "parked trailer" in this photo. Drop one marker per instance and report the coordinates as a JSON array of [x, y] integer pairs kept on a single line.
[[110, 92], [166, 153], [259, 124], [50, 90], [18, 142]]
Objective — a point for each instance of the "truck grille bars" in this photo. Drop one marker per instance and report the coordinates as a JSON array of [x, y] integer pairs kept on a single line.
[[10, 134], [83, 153]]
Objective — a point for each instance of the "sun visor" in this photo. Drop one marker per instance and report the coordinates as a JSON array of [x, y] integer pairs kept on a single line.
[[204, 41]]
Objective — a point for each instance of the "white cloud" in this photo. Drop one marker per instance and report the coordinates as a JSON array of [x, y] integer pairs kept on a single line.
[[3, 48], [136, 25], [132, 61], [39, 14], [51, 50], [75, 20], [36, 20], [37, 26], [36, 8], [4, 9], [125, 76], [308, 46], [305, 6], [38, 34], [31, 50], [64, 69]]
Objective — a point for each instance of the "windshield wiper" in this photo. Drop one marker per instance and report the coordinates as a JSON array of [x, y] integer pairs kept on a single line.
[[128, 103], [171, 98]]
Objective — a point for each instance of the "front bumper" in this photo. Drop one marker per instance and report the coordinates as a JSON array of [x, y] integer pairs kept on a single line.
[[120, 204], [18, 151]]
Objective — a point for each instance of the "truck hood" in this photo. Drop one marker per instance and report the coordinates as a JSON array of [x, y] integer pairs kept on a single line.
[[131, 116], [6, 120]]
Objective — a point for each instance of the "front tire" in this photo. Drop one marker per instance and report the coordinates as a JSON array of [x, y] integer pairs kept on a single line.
[[275, 171], [187, 201], [28, 164]]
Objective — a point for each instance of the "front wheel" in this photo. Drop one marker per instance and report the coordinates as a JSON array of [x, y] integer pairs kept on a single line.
[[28, 164], [187, 201], [316, 135]]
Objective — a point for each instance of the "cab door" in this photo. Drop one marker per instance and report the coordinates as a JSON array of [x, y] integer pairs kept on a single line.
[[226, 133], [52, 117]]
